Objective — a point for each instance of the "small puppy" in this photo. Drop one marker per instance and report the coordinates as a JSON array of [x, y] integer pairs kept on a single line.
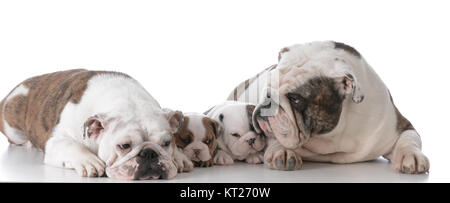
[[238, 140], [197, 138]]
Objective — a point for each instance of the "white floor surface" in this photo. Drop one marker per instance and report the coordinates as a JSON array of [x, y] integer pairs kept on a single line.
[[21, 164]]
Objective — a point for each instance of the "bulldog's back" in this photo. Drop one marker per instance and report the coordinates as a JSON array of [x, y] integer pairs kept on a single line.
[[33, 108]]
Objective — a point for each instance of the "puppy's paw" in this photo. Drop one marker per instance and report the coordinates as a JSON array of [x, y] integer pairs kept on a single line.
[[411, 162], [208, 163], [222, 158], [256, 158], [282, 159], [183, 163], [87, 165]]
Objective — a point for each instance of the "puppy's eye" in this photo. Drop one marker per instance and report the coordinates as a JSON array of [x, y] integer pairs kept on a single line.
[[186, 140], [235, 135], [166, 144], [124, 146], [207, 142]]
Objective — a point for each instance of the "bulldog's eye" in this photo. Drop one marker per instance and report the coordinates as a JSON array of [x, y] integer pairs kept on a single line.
[[124, 146], [186, 140], [166, 144], [296, 99], [207, 142], [236, 135]]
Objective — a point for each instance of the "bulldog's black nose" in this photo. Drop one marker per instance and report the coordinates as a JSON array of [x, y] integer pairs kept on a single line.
[[196, 151], [149, 167], [148, 154], [251, 141]]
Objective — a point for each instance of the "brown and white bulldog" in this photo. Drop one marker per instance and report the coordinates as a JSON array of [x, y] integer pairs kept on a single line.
[[95, 122], [323, 102], [197, 138]]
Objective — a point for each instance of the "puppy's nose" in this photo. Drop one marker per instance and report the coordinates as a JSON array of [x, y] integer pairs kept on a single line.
[[251, 141], [196, 152], [149, 155]]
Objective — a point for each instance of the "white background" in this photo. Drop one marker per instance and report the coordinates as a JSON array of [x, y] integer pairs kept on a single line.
[[191, 54]]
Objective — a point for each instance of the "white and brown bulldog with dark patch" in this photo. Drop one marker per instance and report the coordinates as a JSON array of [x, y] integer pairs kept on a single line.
[[95, 122], [323, 102]]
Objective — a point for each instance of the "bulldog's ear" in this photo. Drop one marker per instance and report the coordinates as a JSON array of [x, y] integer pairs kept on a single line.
[[215, 125], [250, 108], [175, 119], [280, 53], [349, 86], [94, 126]]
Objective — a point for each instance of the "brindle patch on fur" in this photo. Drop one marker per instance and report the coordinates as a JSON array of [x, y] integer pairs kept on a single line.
[[320, 105], [184, 136], [39, 112], [403, 124], [347, 48], [243, 86]]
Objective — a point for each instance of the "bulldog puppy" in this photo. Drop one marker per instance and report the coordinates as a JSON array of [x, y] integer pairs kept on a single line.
[[95, 122], [197, 138], [239, 141], [323, 102]]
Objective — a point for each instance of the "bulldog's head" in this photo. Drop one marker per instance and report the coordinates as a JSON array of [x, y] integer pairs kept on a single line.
[[238, 134], [197, 138], [307, 91], [135, 148]]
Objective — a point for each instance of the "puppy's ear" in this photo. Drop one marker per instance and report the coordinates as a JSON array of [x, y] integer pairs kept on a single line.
[[175, 119], [250, 108], [96, 125], [348, 85], [215, 125]]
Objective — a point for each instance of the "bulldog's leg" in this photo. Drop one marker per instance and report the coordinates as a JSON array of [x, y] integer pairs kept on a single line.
[[255, 158], [184, 164], [67, 153], [223, 158], [279, 158], [407, 156]]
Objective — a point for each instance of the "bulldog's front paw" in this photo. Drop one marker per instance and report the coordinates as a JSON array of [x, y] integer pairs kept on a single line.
[[208, 163], [282, 159], [256, 158], [87, 165], [222, 158], [411, 162], [183, 163]]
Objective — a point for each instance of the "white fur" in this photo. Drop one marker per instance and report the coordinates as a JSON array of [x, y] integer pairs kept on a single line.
[[230, 148]]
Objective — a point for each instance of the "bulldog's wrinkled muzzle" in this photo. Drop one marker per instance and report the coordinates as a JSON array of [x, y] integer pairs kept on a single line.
[[272, 119], [145, 162]]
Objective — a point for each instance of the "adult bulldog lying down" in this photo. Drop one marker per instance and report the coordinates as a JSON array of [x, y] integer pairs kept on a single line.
[[323, 102], [94, 122]]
